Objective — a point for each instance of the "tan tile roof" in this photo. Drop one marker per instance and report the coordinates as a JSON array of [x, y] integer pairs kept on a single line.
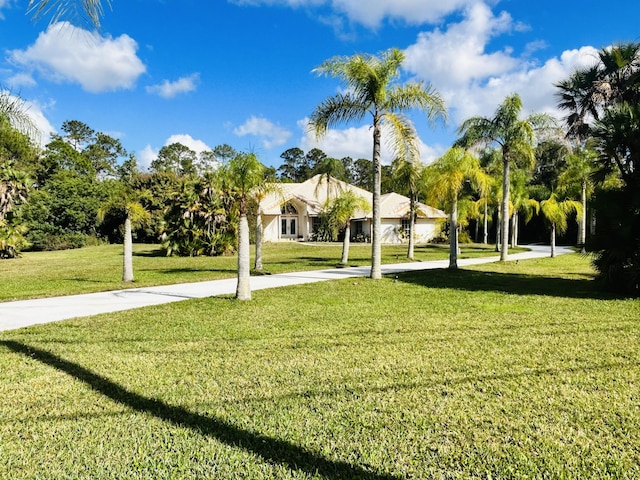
[[313, 194]]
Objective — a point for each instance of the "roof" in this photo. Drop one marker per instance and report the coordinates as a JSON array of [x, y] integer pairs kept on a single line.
[[314, 192]]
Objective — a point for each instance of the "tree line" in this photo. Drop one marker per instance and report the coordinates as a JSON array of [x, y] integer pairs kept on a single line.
[[503, 170]]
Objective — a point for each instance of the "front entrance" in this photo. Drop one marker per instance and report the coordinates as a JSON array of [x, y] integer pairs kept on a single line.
[[289, 222]]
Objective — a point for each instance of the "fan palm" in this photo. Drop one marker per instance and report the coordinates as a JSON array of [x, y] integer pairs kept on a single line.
[[371, 90]]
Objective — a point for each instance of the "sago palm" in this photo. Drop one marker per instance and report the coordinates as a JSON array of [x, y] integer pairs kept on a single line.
[[372, 91]]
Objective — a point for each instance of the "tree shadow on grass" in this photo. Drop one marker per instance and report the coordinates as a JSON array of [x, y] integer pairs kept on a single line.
[[270, 449], [511, 283]]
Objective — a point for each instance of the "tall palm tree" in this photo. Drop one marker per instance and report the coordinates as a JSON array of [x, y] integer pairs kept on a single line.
[[242, 174], [341, 211], [514, 136], [445, 181], [521, 203], [407, 179], [557, 213], [580, 170], [371, 89]]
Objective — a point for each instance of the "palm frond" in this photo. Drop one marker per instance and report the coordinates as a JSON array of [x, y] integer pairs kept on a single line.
[[87, 11], [332, 111]]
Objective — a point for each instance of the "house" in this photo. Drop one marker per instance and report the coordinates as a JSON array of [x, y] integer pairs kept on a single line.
[[293, 213]]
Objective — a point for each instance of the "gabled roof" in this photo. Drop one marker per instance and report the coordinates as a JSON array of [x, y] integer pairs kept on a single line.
[[394, 205], [314, 192]]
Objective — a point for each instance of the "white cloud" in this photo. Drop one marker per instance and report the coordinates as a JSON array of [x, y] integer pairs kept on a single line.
[[474, 80], [355, 142], [197, 146], [4, 4], [66, 53], [371, 13], [21, 80], [458, 55], [168, 89], [149, 154], [272, 135], [146, 156]]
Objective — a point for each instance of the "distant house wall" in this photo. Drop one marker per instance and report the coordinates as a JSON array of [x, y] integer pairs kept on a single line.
[[392, 231]]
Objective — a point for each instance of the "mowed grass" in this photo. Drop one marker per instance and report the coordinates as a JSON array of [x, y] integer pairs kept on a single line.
[[93, 269], [500, 371]]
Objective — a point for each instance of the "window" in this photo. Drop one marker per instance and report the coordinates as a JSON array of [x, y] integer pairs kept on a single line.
[[406, 227], [288, 209], [315, 224]]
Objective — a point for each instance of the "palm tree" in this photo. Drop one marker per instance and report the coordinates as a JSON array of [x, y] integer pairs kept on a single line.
[[521, 203], [445, 181], [557, 214], [15, 111], [580, 169], [340, 212], [330, 170], [372, 90], [515, 138], [407, 177], [14, 186], [124, 204], [242, 174], [258, 194]]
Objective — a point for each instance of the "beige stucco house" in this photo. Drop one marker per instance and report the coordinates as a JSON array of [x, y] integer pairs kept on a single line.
[[292, 213]]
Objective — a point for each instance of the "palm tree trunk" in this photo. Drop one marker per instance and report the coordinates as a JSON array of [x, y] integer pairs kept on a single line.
[[553, 240], [258, 260], [515, 227], [243, 290], [412, 227], [506, 183], [127, 264], [498, 232], [485, 231], [345, 244], [453, 236], [583, 221], [376, 248]]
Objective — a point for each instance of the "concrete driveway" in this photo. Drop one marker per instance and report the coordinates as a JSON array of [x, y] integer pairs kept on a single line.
[[23, 313]]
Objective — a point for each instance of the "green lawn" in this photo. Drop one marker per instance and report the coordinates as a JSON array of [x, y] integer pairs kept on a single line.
[[498, 371], [92, 269]]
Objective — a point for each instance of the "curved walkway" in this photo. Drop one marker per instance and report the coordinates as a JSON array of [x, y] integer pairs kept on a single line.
[[23, 313]]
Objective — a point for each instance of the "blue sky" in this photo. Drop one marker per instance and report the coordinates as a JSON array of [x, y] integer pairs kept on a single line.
[[239, 72]]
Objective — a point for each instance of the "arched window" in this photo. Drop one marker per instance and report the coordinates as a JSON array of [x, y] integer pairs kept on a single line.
[[288, 209]]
